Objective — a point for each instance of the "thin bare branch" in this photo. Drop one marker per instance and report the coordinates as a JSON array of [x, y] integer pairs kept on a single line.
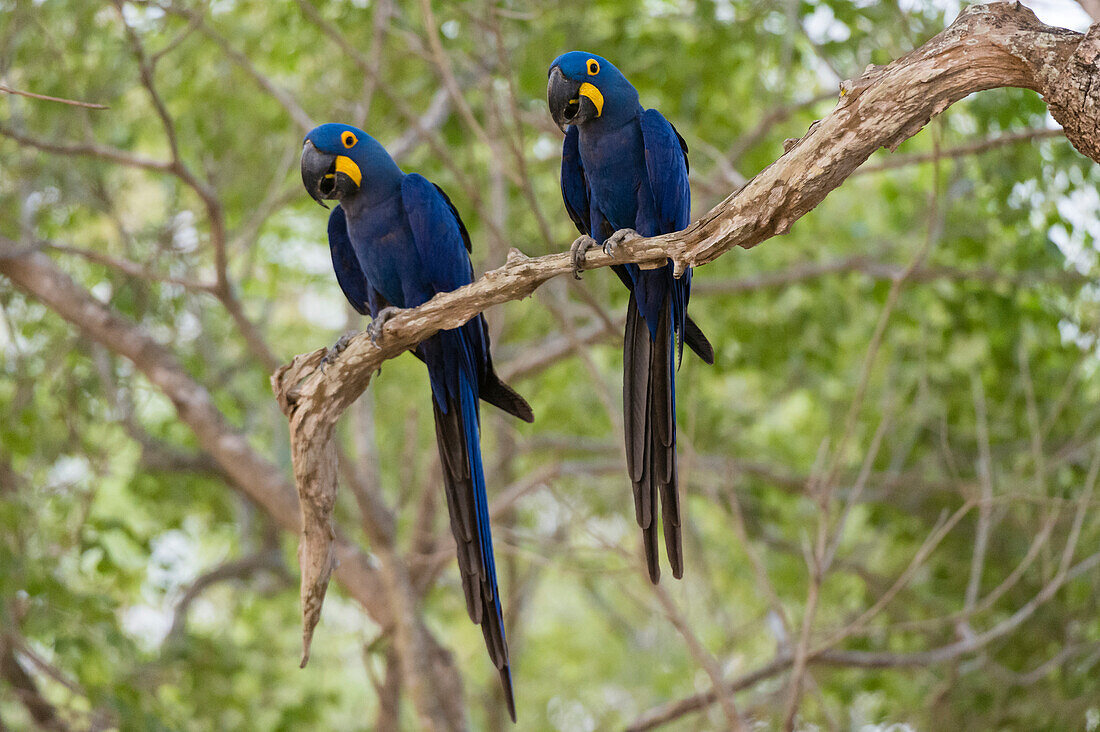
[[266, 560], [47, 98], [867, 659], [1068, 280], [87, 149], [127, 267], [985, 510], [973, 148], [702, 657], [280, 95]]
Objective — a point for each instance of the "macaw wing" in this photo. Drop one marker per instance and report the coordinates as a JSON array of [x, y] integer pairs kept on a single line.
[[666, 164], [438, 233], [364, 298], [461, 225], [666, 158], [574, 186]]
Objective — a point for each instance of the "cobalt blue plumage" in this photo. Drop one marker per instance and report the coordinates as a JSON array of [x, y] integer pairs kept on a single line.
[[396, 241], [625, 167]]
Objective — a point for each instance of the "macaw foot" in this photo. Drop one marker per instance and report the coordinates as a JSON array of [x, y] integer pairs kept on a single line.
[[581, 246], [337, 348], [611, 243], [374, 329]]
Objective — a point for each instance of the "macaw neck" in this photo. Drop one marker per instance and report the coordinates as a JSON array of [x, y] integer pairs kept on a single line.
[[611, 120], [378, 187]]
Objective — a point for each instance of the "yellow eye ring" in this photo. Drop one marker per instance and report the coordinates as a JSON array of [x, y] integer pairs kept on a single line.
[[593, 67], [348, 138]]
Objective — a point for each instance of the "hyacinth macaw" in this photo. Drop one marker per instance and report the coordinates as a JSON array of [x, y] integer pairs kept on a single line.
[[624, 172], [396, 240]]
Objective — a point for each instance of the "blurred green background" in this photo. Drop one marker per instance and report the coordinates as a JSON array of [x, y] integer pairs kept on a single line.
[[947, 461]]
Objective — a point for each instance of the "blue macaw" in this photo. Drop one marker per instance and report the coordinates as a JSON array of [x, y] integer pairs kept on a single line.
[[624, 172], [396, 240]]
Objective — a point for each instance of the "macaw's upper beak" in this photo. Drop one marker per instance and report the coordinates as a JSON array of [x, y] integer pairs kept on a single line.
[[571, 102], [328, 176]]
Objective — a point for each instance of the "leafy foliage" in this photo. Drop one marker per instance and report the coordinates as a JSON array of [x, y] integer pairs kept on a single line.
[[984, 377]]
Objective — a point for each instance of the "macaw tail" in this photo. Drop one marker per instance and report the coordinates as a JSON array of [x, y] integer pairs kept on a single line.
[[457, 433], [649, 401]]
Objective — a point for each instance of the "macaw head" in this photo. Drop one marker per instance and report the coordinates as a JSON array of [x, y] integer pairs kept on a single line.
[[585, 87], [338, 160]]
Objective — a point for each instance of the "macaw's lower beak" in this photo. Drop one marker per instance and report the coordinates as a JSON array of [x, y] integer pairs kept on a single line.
[[328, 176], [571, 102]]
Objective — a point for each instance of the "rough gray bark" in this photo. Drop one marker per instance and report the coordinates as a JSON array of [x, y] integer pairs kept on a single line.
[[987, 46]]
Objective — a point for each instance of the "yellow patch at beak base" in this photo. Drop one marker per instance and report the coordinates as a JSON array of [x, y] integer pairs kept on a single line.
[[347, 166], [590, 91]]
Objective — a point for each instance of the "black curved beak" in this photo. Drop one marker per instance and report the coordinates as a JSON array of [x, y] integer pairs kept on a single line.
[[321, 177], [567, 106]]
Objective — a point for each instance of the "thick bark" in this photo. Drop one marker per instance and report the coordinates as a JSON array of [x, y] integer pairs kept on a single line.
[[988, 46]]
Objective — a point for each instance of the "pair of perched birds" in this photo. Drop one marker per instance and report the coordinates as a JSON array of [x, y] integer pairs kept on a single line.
[[396, 241]]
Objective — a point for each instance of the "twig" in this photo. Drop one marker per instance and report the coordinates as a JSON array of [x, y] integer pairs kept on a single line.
[[702, 657], [147, 71], [380, 26], [985, 510], [973, 148], [127, 267], [47, 98], [865, 265], [822, 554], [450, 83], [280, 95], [768, 121], [1027, 678], [867, 659], [535, 358], [269, 560], [89, 149]]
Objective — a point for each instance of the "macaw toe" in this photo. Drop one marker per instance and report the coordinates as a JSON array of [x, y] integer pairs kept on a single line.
[[337, 348], [374, 329], [612, 243], [580, 247]]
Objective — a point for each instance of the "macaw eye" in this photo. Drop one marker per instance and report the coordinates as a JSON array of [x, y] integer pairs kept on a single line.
[[348, 138], [593, 67]]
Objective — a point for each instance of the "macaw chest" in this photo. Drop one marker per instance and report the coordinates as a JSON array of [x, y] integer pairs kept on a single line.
[[614, 164], [387, 254]]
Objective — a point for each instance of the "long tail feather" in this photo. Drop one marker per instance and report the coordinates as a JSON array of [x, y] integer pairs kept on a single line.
[[696, 341], [458, 437], [650, 419], [500, 395]]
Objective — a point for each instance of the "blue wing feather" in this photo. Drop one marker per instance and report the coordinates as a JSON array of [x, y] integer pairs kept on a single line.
[[666, 164], [461, 226], [667, 167], [438, 233]]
